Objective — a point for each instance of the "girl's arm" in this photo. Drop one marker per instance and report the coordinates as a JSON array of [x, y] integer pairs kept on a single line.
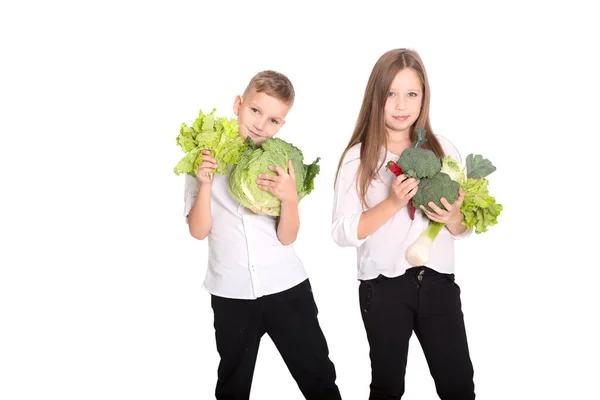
[[351, 224], [372, 219], [401, 191]]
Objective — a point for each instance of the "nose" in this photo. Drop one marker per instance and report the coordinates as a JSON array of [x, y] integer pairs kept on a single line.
[[259, 125], [400, 104]]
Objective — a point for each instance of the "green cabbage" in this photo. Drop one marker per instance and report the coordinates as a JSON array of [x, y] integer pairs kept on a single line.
[[256, 160], [219, 135]]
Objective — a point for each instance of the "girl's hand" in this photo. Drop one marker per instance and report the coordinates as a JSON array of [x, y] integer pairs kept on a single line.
[[402, 190], [283, 185], [452, 213], [207, 168]]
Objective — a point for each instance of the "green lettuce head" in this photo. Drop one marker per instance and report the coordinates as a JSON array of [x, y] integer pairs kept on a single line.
[[256, 160], [217, 134], [456, 171]]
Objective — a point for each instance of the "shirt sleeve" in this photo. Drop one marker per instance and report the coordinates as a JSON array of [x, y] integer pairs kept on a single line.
[[347, 207], [190, 192], [450, 150]]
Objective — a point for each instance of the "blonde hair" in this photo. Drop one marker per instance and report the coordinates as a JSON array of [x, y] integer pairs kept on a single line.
[[370, 129], [274, 84]]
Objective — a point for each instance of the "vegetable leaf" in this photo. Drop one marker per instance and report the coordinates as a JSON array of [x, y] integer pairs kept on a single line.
[[478, 167], [218, 135]]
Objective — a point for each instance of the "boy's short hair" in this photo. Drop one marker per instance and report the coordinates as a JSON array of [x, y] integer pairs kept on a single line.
[[274, 84]]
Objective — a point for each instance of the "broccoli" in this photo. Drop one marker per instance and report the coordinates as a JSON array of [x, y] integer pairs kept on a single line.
[[419, 163], [433, 189]]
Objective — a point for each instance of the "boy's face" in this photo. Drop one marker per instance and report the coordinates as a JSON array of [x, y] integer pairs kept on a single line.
[[260, 116]]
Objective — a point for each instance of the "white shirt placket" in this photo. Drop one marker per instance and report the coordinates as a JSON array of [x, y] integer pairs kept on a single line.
[[248, 227]]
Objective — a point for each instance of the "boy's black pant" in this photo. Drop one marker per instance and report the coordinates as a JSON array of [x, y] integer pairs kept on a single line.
[[429, 303], [290, 319]]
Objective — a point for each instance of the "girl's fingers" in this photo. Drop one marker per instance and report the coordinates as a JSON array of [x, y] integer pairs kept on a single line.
[[430, 215], [446, 204], [413, 191], [410, 188], [399, 179], [435, 208]]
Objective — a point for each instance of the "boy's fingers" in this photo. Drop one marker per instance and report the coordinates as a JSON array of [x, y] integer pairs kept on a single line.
[[268, 177], [278, 169], [266, 188]]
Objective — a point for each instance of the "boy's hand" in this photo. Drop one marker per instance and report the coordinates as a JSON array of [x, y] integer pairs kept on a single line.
[[206, 169], [283, 185]]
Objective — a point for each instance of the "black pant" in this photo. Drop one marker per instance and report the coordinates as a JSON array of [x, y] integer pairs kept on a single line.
[[427, 302], [290, 319]]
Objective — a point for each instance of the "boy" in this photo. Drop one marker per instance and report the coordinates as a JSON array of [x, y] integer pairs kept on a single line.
[[257, 283]]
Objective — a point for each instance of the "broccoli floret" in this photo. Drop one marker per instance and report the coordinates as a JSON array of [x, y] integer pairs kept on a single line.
[[433, 189], [419, 163]]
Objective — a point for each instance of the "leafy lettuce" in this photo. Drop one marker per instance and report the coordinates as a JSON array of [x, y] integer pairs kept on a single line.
[[219, 135], [480, 209]]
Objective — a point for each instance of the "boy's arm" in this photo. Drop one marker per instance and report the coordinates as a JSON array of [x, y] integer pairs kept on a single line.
[[288, 223], [200, 217], [283, 186]]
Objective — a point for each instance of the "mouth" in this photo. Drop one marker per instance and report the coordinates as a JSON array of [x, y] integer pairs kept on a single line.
[[400, 117], [251, 132]]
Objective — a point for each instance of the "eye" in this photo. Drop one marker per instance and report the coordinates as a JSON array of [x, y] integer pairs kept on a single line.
[[413, 94], [391, 94], [274, 121], [254, 110]]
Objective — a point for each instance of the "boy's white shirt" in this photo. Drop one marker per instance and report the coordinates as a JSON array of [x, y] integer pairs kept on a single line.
[[384, 251], [246, 260]]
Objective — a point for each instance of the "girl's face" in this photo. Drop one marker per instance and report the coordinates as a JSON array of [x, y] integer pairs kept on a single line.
[[403, 104]]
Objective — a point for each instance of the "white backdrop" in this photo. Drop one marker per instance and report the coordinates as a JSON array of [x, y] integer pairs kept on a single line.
[[100, 282]]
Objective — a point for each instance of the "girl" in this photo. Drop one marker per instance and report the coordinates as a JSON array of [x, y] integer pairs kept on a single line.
[[370, 212]]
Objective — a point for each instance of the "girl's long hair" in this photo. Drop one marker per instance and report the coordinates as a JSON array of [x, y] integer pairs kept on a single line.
[[370, 129]]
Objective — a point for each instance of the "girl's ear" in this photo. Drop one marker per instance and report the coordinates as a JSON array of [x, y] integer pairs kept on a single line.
[[236, 105]]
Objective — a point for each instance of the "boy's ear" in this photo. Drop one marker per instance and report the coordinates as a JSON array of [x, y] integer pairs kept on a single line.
[[236, 105]]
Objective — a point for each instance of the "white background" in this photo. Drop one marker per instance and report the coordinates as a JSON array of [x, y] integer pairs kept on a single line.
[[100, 282]]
